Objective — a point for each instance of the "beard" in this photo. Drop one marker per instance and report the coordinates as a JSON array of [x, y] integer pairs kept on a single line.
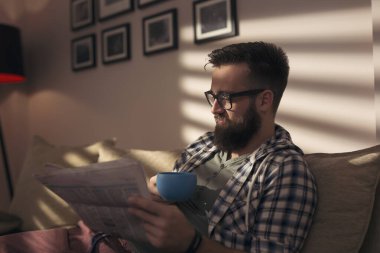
[[236, 135]]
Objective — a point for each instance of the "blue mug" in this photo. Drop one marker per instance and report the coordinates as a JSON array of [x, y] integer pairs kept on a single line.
[[176, 186]]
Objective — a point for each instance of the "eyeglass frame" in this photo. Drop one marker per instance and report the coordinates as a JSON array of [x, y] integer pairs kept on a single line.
[[229, 96]]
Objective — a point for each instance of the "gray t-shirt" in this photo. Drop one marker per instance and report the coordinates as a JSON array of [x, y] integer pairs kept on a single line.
[[211, 178]]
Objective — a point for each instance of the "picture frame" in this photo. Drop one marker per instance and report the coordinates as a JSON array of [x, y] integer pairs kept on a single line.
[[111, 8], [82, 14], [116, 44], [214, 20], [83, 52], [160, 32], [146, 3]]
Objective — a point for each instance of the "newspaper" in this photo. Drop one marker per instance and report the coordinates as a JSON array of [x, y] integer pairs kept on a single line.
[[99, 193]]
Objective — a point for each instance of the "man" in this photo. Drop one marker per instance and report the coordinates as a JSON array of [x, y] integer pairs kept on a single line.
[[255, 192]]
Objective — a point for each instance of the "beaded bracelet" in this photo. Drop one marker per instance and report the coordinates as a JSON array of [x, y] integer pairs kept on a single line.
[[195, 243]]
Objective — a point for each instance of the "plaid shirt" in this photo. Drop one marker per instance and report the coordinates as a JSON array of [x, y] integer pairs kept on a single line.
[[282, 199]]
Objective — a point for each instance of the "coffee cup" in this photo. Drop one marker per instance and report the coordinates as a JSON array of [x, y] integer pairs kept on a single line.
[[176, 186]]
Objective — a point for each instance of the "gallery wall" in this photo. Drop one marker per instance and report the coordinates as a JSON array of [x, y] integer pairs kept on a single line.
[[157, 101]]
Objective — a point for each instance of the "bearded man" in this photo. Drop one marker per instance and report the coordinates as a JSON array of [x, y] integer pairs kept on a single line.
[[255, 192]]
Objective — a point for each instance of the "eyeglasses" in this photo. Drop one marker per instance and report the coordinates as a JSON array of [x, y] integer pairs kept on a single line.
[[224, 99]]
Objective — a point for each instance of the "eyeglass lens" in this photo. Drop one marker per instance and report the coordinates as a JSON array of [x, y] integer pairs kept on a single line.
[[223, 101]]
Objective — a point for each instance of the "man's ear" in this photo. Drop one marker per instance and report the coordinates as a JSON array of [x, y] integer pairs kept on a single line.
[[264, 101]]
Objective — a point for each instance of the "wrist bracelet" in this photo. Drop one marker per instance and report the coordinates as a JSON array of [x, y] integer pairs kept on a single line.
[[195, 243], [96, 240]]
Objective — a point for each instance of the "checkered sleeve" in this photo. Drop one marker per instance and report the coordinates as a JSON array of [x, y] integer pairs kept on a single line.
[[281, 210]]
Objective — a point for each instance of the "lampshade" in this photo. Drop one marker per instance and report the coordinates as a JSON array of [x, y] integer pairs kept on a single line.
[[11, 64]]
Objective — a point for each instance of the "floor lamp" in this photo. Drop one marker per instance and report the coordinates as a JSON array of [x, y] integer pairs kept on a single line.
[[11, 71]]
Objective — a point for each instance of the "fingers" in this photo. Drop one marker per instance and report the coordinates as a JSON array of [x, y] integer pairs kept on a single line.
[[146, 215], [153, 180], [165, 225], [157, 198], [147, 205], [151, 224], [152, 185], [155, 235]]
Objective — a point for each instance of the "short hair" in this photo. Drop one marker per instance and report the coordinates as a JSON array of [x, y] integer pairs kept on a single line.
[[268, 65]]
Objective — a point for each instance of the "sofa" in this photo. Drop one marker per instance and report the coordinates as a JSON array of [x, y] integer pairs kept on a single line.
[[347, 218]]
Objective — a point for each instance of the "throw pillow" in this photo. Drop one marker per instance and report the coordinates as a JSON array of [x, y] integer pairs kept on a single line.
[[346, 192], [38, 207], [153, 161], [108, 153]]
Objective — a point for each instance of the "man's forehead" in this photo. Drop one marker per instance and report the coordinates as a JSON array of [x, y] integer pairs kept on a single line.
[[230, 77]]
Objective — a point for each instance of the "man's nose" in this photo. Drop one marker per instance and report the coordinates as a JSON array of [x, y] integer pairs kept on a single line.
[[216, 108]]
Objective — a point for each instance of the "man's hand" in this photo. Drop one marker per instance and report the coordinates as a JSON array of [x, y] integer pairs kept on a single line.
[[152, 185], [165, 225]]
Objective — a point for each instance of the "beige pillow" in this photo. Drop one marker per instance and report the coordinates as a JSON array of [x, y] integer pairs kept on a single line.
[[346, 192], [38, 207], [109, 153], [153, 161]]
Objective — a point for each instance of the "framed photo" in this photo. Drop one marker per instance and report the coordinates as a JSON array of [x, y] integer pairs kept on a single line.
[[116, 44], [145, 3], [82, 13], [160, 32], [214, 20], [83, 52], [111, 8]]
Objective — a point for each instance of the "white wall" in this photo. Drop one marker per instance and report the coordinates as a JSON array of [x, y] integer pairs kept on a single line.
[[157, 102]]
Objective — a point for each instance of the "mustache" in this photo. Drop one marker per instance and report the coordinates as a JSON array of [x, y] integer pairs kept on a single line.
[[219, 116]]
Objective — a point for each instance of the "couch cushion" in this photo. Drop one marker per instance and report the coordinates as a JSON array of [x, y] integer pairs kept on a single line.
[[346, 192], [371, 242], [37, 206], [346, 189]]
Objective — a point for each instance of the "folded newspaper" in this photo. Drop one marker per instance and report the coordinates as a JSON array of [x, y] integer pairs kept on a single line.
[[99, 193]]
